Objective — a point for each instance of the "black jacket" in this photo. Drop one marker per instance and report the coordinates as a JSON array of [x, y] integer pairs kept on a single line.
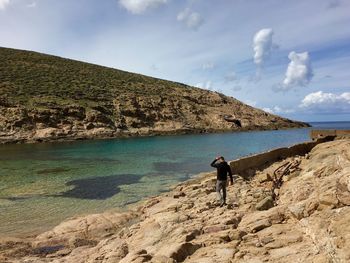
[[223, 169]]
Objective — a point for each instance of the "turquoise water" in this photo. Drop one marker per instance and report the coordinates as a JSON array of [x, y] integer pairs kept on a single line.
[[43, 184]]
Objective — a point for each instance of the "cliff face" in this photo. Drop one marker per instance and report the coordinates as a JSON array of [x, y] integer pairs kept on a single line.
[[306, 219], [44, 97]]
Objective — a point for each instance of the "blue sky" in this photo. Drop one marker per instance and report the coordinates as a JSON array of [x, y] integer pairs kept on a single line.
[[291, 58]]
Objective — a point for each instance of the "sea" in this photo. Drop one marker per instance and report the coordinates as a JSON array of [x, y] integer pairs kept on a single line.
[[44, 184]]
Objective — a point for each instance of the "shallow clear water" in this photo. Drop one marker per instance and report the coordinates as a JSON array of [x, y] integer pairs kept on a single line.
[[43, 184]]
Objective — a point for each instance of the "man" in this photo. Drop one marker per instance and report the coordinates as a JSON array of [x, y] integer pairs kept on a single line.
[[222, 170]]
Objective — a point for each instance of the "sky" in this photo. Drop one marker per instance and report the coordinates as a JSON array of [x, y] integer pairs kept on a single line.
[[290, 58]]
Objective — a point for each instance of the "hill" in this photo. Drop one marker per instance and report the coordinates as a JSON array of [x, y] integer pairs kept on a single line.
[[44, 97]]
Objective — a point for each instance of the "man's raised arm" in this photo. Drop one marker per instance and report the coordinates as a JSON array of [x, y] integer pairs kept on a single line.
[[213, 163]]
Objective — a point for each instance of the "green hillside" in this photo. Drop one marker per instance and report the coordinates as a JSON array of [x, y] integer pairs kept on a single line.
[[45, 97], [27, 77]]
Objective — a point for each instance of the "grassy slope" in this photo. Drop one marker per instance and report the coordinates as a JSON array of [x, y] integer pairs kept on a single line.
[[27, 77], [39, 88]]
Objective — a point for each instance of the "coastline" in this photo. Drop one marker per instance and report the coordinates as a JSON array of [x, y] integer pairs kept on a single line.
[[243, 166], [80, 239], [50, 135], [59, 105]]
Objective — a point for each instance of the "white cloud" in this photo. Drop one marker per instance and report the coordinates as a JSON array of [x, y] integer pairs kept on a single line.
[[267, 109], [140, 6], [204, 85], [322, 102], [208, 65], [262, 45], [250, 102], [191, 19], [299, 71], [280, 110], [3, 4]]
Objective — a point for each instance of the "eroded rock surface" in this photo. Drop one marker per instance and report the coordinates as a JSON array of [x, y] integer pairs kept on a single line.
[[309, 221], [47, 98]]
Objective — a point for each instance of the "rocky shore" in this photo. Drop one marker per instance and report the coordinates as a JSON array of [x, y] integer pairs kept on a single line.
[[195, 111], [48, 98], [295, 210]]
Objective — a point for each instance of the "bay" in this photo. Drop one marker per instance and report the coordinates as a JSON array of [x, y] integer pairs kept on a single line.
[[43, 184]]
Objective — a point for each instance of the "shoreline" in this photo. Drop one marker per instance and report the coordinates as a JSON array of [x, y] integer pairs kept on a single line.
[[47, 223], [31, 139], [242, 167], [127, 208], [185, 224]]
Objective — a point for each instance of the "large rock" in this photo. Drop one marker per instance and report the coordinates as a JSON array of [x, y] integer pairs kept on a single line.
[[79, 231], [323, 182]]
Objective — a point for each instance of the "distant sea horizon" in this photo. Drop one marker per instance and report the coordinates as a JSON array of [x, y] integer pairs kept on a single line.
[[341, 125]]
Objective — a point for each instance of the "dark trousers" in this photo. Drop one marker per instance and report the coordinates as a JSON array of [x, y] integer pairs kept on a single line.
[[221, 185]]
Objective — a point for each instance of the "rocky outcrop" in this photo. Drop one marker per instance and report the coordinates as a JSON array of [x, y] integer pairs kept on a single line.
[[307, 221], [45, 98]]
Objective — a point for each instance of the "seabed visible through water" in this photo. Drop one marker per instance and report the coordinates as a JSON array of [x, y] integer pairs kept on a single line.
[[43, 184]]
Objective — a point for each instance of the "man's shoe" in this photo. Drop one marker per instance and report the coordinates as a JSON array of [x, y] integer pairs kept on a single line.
[[223, 204]]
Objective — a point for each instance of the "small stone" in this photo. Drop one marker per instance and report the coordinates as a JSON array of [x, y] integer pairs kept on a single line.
[[258, 244], [264, 177], [195, 187], [180, 194], [162, 259], [237, 234], [266, 240], [297, 210], [265, 204], [192, 235], [179, 252], [213, 229], [232, 221], [260, 225]]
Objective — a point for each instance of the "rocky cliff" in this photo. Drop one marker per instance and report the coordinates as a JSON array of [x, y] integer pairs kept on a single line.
[[295, 210], [45, 98]]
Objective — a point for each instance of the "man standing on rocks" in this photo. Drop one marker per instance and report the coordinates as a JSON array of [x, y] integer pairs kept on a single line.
[[222, 170]]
